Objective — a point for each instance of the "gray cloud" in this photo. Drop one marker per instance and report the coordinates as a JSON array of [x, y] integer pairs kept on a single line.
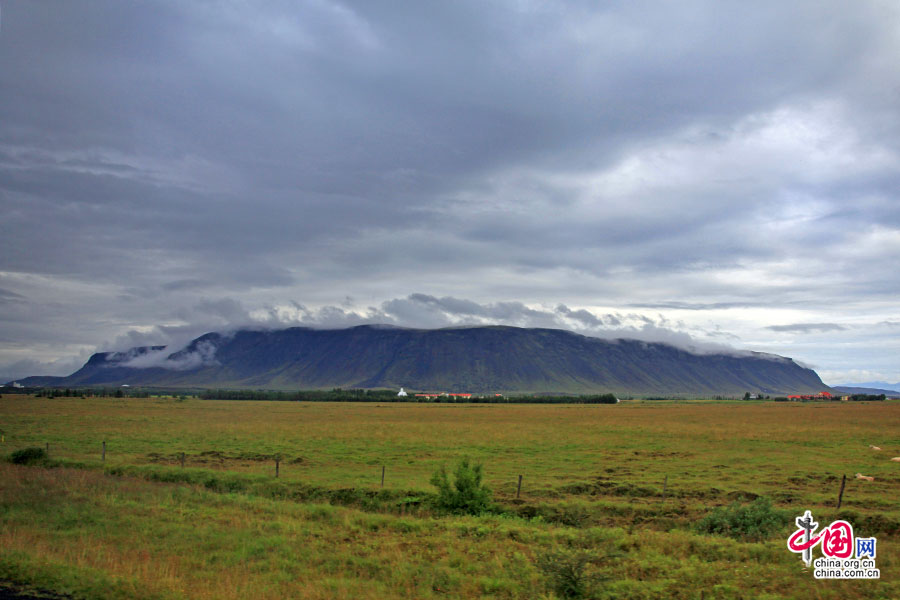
[[695, 305], [8, 296], [807, 327], [697, 162], [202, 355]]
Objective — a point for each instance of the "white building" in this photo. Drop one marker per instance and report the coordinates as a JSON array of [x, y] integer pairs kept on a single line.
[[402, 393]]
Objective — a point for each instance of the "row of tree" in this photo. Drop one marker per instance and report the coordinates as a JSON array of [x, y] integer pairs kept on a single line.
[[361, 395], [358, 395], [852, 397], [90, 393], [335, 395]]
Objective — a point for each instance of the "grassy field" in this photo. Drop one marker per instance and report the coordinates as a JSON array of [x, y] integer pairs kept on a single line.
[[140, 526]]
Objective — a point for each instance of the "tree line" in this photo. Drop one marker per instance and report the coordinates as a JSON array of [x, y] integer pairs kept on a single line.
[[87, 392], [362, 395], [333, 395]]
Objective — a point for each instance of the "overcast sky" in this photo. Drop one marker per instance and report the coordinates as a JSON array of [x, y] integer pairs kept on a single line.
[[700, 172]]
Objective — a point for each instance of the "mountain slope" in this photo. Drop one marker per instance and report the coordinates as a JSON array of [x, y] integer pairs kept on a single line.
[[474, 359]]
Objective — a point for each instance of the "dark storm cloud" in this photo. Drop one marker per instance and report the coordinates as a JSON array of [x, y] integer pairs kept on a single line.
[[697, 156]]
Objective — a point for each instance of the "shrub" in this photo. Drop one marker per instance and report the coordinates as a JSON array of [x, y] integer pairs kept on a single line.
[[574, 573], [567, 573], [750, 522], [466, 495], [28, 456]]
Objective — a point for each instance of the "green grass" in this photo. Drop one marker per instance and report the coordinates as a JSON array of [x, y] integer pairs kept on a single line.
[[140, 526]]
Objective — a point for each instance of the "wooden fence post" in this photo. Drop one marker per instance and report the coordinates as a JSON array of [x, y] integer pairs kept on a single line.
[[47, 450], [382, 475], [519, 487], [182, 460], [277, 462], [103, 452], [841, 494]]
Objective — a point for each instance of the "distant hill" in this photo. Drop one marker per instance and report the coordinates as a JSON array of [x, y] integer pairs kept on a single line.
[[38, 381], [850, 390], [872, 385], [465, 359]]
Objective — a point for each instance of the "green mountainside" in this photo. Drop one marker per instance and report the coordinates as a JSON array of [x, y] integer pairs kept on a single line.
[[464, 359]]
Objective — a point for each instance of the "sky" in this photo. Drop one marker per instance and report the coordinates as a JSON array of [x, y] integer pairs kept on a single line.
[[714, 174]]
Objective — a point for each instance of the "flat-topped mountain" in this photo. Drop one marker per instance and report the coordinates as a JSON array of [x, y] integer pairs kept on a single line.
[[462, 359]]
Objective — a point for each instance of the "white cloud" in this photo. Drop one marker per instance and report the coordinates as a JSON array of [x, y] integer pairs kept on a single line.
[[202, 354]]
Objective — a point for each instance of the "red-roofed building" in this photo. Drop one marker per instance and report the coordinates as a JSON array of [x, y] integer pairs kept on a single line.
[[443, 395], [819, 396]]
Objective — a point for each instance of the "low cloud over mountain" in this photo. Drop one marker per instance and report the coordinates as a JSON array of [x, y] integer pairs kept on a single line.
[[486, 359]]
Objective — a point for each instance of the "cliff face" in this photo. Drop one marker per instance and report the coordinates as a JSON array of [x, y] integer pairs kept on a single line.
[[475, 359]]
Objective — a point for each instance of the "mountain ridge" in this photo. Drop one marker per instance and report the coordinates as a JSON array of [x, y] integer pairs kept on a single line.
[[479, 359]]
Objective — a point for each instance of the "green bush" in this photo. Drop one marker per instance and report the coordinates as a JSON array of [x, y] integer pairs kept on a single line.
[[28, 456], [575, 573], [567, 573], [750, 522], [466, 495]]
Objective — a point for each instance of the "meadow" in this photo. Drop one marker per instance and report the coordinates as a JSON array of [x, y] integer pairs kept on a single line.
[[617, 491]]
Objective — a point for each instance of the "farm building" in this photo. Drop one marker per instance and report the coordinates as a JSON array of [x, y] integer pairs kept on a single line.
[[819, 396]]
